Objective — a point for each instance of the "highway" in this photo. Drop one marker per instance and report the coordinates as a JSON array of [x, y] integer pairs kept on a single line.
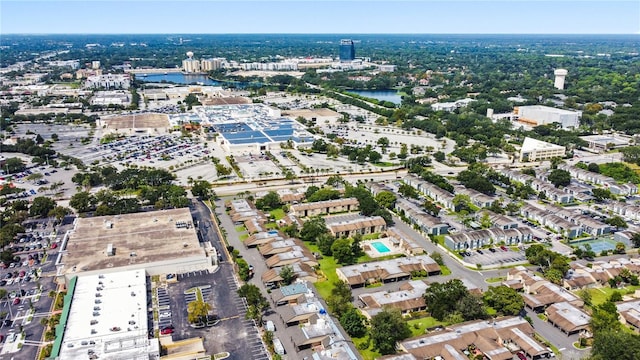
[[273, 185]]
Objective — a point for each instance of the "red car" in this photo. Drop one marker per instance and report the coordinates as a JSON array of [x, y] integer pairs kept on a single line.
[[522, 356], [54, 245], [166, 331], [16, 301]]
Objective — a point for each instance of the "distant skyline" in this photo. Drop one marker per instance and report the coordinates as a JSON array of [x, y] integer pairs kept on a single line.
[[320, 17]]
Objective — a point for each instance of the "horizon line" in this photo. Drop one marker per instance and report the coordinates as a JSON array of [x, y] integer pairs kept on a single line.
[[301, 33]]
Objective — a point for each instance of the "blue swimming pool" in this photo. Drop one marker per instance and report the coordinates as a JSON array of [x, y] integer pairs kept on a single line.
[[380, 247]]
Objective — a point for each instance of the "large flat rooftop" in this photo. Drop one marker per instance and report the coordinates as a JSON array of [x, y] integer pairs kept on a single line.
[[140, 238], [108, 316]]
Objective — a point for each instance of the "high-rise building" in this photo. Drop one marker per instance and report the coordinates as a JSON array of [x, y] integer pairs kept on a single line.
[[190, 65], [347, 50]]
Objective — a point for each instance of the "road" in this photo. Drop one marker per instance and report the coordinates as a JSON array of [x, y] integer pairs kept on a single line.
[[232, 189], [234, 333], [458, 270]]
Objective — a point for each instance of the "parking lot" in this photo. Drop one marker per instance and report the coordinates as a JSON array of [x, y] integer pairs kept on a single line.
[[503, 256], [27, 299], [231, 333]]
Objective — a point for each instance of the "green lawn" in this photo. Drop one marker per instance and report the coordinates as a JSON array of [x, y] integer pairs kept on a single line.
[[371, 236], [277, 214], [369, 353], [243, 237], [418, 326], [496, 279], [240, 228], [328, 267], [444, 270], [600, 295], [271, 226]]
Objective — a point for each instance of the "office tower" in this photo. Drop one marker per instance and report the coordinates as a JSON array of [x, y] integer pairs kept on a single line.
[[347, 50]]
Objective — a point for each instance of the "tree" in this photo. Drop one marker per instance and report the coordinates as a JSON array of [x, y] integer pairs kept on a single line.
[[325, 242], [559, 177], [269, 201], [408, 191], [604, 318], [323, 195], [504, 299], [287, 274], [404, 151], [243, 269], [586, 296], [387, 328], [554, 275], [339, 301], [439, 156], [59, 212], [386, 199], [471, 307], [441, 298], [82, 201], [197, 311], [354, 323], [253, 296], [615, 296], [383, 142], [34, 176], [41, 206], [342, 251], [437, 257], [289, 175], [635, 239], [222, 170], [14, 165], [616, 221], [310, 191], [201, 189], [313, 228], [620, 248], [601, 194], [374, 156], [619, 345]]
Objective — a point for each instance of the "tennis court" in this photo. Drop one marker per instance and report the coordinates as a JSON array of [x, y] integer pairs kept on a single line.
[[597, 245]]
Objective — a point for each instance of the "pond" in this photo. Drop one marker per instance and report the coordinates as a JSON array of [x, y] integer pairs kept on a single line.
[[382, 95]]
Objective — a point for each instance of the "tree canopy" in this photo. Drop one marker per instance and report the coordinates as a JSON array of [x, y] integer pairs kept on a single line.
[[387, 328]]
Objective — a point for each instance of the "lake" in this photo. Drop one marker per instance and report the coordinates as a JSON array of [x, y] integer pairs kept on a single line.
[[188, 79], [382, 95]]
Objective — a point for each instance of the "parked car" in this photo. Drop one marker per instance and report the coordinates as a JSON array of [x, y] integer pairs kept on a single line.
[[54, 245], [166, 331], [16, 301]]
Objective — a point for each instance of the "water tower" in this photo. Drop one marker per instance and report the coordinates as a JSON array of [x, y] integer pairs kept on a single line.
[[560, 75]]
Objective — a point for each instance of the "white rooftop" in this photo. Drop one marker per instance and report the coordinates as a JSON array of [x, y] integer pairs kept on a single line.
[[531, 144], [109, 316]]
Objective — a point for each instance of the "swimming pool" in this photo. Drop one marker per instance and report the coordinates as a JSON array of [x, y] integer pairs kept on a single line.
[[380, 247]]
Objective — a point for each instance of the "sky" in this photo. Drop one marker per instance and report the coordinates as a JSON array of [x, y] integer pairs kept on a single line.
[[320, 16]]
